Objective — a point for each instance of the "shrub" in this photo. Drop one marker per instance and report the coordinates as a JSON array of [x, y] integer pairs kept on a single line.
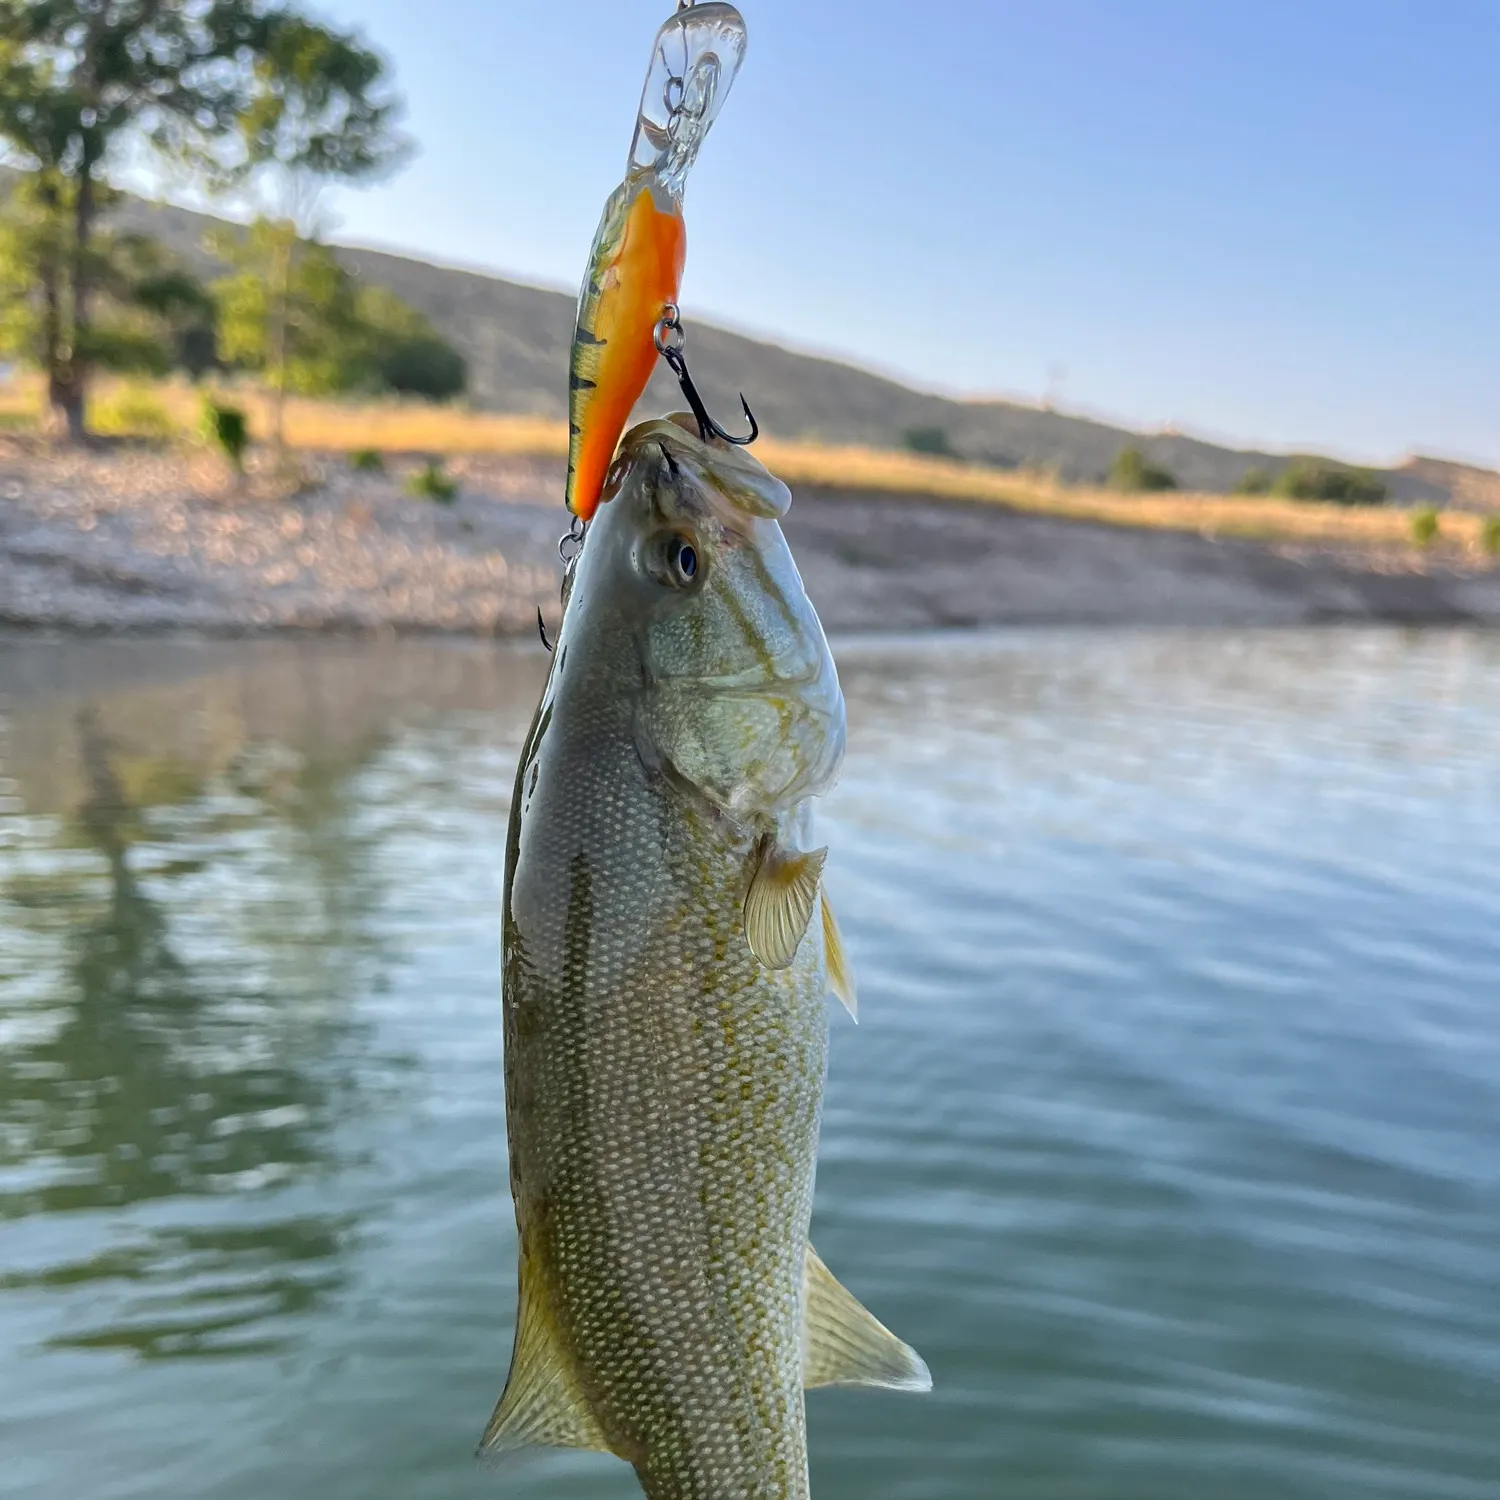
[[1135, 474], [423, 366], [1319, 479], [431, 482], [367, 461], [228, 429], [1253, 482], [932, 441], [1424, 526], [1489, 535], [133, 412]]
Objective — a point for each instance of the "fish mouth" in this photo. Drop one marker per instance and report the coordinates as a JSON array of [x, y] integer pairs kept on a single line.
[[728, 481]]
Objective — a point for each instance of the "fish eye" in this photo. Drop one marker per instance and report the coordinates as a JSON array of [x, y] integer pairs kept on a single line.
[[682, 560], [672, 559]]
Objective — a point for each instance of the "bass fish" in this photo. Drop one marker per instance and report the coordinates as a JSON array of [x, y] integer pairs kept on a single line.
[[668, 956], [635, 266]]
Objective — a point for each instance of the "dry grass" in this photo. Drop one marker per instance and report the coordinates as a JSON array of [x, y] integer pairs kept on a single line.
[[1250, 517], [418, 427]]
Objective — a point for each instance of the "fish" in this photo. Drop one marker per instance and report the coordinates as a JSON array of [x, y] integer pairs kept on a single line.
[[668, 956], [634, 271]]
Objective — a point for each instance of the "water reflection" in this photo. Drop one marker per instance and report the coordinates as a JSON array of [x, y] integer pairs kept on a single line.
[[180, 948]]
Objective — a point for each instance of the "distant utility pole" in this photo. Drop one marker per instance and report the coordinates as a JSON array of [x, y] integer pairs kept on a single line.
[[1056, 375]]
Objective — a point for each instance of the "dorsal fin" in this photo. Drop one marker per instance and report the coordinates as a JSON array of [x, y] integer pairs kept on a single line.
[[779, 903], [844, 1344], [541, 1402]]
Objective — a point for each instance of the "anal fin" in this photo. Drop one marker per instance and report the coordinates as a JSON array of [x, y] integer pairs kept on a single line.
[[844, 1344], [840, 975], [541, 1403]]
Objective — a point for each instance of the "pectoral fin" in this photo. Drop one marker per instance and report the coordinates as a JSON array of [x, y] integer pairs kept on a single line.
[[779, 903], [541, 1402], [843, 1344], [840, 975]]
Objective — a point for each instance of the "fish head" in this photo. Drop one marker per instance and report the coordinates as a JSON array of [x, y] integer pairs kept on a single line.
[[737, 693]]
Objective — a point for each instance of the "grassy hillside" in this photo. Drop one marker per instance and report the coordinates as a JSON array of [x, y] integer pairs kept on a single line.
[[516, 338]]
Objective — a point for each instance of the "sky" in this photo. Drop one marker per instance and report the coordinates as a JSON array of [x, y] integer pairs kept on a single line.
[[1271, 222]]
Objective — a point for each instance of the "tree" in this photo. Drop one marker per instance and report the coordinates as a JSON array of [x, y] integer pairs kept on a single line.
[[1321, 479], [321, 332], [933, 441], [319, 113], [224, 86], [146, 311], [304, 334], [1134, 473], [76, 78], [406, 352]]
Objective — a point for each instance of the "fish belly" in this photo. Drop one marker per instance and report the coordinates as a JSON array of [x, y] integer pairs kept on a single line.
[[664, 1093]]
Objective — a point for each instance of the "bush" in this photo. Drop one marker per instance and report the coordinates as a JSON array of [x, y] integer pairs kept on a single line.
[[403, 352], [932, 441], [228, 429], [367, 461], [1253, 482], [1135, 474], [431, 482], [1424, 526], [1489, 535], [1318, 479], [133, 412], [422, 366]]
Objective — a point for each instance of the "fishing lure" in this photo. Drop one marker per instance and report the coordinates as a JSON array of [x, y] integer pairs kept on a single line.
[[635, 265]]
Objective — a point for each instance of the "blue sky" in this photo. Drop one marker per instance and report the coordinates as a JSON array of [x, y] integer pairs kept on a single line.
[[1274, 222]]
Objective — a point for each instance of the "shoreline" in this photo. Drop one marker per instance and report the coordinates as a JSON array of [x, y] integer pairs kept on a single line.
[[160, 544]]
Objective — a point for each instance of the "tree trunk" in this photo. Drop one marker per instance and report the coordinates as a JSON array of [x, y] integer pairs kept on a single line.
[[283, 295], [70, 393], [49, 276]]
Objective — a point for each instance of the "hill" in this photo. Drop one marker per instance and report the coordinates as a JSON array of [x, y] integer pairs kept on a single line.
[[515, 338]]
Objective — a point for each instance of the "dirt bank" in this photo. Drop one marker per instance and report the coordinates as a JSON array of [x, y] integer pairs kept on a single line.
[[143, 542]]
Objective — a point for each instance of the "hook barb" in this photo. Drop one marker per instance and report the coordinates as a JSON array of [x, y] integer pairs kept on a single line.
[[671, 344]]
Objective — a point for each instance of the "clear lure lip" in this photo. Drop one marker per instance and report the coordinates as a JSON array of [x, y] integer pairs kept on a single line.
[[694, 61]]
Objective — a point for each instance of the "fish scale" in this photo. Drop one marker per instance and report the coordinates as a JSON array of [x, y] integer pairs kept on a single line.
[[663, 1081]]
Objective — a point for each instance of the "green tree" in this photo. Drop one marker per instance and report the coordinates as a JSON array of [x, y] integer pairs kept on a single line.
[[1135, 474], [1253, 482], [320, 112], [227, 87], [321, 332], [929, 440], [406, 354], [77, 78], [146, 311], [183, 309], [1322, 479], [304, 334]]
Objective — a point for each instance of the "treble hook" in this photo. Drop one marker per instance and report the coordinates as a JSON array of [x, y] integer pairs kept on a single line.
[[671, 342]]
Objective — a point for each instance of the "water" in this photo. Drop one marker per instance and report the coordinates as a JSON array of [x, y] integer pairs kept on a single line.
[[1171, 1135]]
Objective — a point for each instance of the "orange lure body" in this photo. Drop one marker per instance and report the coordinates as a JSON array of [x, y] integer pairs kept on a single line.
[[634, 272]]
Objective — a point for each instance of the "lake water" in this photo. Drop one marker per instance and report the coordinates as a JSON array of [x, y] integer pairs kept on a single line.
[[1171, 1134]]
